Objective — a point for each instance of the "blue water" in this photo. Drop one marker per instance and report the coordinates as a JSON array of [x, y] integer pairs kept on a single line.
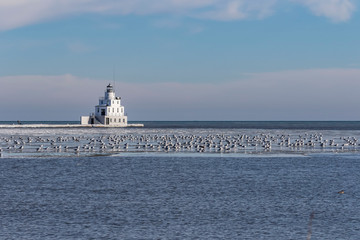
[[180, 197], [309, 125]]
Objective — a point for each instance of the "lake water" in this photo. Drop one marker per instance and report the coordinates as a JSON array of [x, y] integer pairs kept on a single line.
[[180, 194]]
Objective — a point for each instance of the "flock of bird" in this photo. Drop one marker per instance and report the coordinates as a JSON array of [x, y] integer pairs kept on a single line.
[[211, 143]]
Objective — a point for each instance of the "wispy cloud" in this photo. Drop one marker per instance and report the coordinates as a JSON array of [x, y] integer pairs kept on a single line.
[[317, 94], [14, 14], [238, 10], [336, 10]]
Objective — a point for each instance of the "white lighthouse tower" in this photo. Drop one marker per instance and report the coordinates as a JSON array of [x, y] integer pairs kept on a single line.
[[109, 112]]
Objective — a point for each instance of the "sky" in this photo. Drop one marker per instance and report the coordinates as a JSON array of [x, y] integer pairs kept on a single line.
[[245, 60]]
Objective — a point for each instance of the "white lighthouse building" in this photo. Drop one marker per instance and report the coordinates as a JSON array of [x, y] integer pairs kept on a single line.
[[109, 112]]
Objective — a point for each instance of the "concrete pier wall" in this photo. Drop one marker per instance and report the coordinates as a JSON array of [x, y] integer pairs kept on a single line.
[[69, 125]]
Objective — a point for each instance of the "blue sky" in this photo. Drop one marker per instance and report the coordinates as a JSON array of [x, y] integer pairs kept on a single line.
[[181, 59]]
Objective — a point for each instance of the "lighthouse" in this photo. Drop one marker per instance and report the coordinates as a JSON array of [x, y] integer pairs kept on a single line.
[[108, 112]]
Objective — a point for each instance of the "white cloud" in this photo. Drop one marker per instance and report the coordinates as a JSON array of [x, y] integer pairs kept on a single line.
[[238, 9], [336, 10], [319, 94], [18, 13]]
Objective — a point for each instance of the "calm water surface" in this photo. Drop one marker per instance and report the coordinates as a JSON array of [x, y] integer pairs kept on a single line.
[[308, 125], [180, 197]]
